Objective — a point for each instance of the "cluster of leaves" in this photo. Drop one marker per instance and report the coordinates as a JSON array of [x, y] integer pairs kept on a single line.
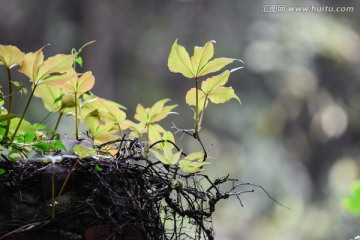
[[67, 92]]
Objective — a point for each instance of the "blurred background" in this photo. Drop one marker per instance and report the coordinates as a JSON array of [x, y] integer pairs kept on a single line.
[[297, 131]]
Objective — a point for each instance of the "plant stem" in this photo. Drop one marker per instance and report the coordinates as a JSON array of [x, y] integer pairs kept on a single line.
[[76, 118], [23, 114], [196, 134], [52, 191], [57, 124], [147, 140], [10, 104]]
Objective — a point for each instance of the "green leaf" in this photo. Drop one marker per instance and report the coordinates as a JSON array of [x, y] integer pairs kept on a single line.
[[2, 171], [79, 61], [10, 56], [352, 203], [97, 168], [57, 144], [29, 136], [179, 61], [44, 146], [84, 152]]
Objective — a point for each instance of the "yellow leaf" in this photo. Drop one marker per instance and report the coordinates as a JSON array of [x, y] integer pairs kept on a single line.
[[10, 56], [179, 61]]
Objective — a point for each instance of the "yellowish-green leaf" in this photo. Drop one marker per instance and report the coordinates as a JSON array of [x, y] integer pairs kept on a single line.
[[213, 89], [56, 79], [157, 108], [96, 128], [68, 103], [80, 84], [196, 156], [57, 64], [201, 57], [31, 63], [167, 136], [49, 95], [25, 126], [160, 115], [136, 129], [222, 95], [141, 113], [155, 131], [191, 99], [215, 82], [199, 64], [179, 61], [10, 56], [191, 166], [154, 114], [167, 157], [84, 152], [193, 162], [215, 65]]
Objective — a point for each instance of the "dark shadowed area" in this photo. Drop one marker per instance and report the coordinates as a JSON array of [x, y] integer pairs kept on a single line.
[[297, 131]]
